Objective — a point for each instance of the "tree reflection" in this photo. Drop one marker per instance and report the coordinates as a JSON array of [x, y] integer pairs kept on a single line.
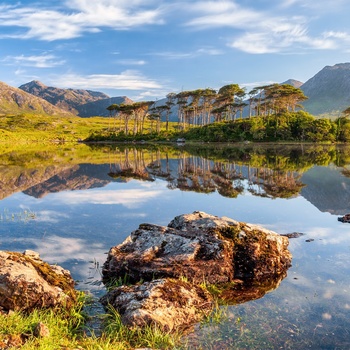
[[201, 174]]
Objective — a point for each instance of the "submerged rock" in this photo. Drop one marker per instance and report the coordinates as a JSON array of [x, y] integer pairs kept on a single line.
[[200, 247], [169, 304], [27, 283]]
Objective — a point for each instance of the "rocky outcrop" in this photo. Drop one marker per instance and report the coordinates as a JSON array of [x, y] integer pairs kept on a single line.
[[200, 247], [27, 283], [170, 304], [345, 218], [245, 260]]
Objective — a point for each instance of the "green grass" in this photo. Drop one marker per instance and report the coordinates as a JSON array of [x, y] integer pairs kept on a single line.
[[27, 128], [67, 330]]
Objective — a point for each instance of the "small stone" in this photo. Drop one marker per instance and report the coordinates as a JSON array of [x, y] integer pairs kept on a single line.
[[41, 331], [32, 254]]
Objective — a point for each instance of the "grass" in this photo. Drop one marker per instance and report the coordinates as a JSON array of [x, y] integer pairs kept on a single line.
[[28, 128], [67, 331], [22, 216]]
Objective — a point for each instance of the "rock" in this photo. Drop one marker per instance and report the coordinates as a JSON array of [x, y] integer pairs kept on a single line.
[[41, 331], [293, 234], [169, 304], [200, 247], [27, 283], [345, 218]]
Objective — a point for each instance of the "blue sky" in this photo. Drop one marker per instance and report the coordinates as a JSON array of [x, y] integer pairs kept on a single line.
[[146, 49]]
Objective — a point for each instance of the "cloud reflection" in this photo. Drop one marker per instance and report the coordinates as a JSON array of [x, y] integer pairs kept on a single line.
[[129, 198], [50, 216]]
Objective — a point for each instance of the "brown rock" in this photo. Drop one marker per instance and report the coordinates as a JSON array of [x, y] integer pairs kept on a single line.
[[26, 283], [201, 247], [41, 330], [169, 304]]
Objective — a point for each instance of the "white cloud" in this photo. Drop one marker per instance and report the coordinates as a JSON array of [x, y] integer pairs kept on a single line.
[[261, 31], [205, 51], [50, 216], [60, 249], [132, 62], [78, 17], [127, 80], [41, 61]]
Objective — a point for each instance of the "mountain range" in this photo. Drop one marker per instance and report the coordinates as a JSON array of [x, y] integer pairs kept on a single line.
[[328, 93], [84, 103]]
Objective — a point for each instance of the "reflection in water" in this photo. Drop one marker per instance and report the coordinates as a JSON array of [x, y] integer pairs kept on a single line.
[[196, 173], [88, 199]]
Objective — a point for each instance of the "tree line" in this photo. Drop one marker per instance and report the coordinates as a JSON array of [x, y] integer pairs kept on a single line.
[[267, 113], [204, 106]]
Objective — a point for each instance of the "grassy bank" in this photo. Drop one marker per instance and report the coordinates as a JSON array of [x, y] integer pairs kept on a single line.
[[67, 330]]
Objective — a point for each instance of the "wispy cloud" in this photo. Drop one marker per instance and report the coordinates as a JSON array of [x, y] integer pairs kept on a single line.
[[205, 51], [77, 17], [38, 61], [127, 80], [259, 31], [132, 62]]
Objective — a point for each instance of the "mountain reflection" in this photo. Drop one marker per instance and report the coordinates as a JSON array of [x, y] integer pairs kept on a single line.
[[277, 171]]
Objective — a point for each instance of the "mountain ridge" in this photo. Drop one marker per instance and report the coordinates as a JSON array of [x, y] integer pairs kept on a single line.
[[84, 103], [328, 91], [15, 100]]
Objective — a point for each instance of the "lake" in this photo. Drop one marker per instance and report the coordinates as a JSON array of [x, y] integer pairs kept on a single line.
[[72, 203]]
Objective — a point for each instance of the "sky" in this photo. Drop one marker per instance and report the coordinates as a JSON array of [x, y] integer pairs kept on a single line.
[[145, 49]]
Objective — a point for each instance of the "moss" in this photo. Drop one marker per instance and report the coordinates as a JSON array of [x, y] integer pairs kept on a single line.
[[49, 274], [229, 232]]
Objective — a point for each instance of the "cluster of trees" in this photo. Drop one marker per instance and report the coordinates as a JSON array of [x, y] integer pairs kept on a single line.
[[204, 106], [271, 113], [288, 126]]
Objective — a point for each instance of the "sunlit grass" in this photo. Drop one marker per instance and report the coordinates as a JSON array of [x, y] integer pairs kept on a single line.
[[67, 330], [22, 216]]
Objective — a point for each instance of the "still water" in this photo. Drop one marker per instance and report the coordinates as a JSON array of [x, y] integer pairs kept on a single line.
[[71, 204]]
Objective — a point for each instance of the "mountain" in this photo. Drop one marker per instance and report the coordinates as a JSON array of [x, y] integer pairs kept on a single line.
[[14, 100], [294, 83], [99, 108], [329, 90], [327, 189], [84, 103]]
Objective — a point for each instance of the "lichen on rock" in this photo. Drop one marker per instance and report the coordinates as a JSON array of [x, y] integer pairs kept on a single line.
[[27, 283], [245, 260], [167, 303]]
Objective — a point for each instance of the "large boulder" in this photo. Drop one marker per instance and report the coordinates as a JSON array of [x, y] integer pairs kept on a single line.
[[200, 247], [27, 283], [166, 303]]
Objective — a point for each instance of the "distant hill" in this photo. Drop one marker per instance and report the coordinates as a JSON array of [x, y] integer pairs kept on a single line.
[[295, 83], [99, 108], [329, 90], [84, 103], [14, 101]]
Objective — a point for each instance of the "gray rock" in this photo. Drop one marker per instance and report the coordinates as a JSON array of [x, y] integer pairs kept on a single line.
[[200, 247], [166, 303], [27, 283]]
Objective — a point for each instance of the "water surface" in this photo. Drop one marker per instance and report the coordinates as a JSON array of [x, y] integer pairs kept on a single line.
[[88, 199]]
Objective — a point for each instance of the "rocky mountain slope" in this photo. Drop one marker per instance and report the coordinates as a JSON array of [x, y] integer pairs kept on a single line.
[[329, 90], [99, 108], [293, 82], [14, 100], [84, 103]]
